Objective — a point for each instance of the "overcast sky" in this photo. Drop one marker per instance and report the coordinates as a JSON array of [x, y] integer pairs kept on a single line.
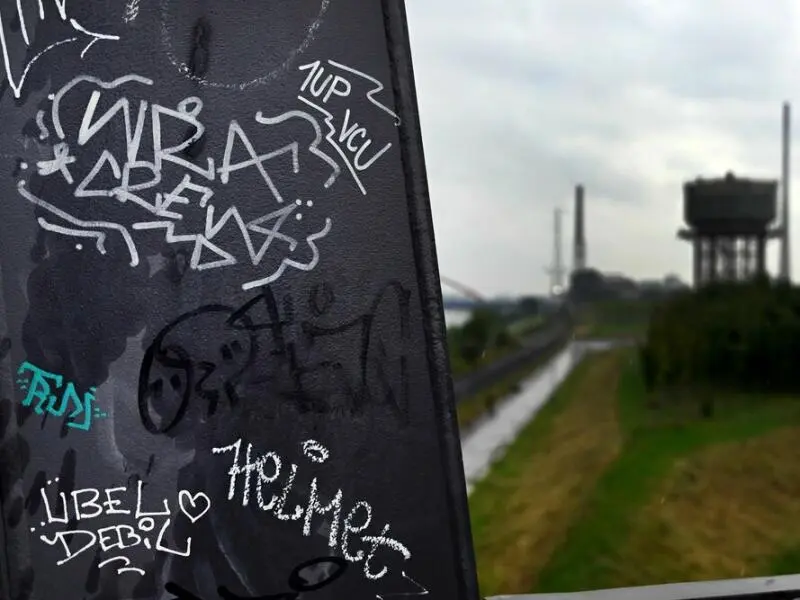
[[522, 99]]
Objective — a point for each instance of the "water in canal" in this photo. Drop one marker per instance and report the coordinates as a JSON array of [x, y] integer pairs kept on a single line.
[[484, 444]]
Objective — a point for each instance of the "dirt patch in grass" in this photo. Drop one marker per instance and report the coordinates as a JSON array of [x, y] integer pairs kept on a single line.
[[721, 513], [522, 510]]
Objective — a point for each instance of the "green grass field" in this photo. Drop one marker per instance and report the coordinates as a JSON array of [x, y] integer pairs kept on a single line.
[[611, 487]]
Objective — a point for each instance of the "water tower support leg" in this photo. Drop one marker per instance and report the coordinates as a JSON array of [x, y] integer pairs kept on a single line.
[[761, 259], [698, 261], [713, 259]]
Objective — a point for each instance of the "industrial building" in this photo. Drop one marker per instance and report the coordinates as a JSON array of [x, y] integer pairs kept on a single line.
[[558, 271]]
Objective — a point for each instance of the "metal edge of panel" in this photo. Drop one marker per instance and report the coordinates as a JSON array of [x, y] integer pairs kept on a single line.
[[430, 293]]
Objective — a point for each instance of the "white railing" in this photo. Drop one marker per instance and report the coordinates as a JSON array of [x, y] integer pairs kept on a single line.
[[786, 587]]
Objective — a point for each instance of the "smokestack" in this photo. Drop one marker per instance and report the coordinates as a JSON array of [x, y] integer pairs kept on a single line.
[[558, 269], [579, 239], [785, 267]]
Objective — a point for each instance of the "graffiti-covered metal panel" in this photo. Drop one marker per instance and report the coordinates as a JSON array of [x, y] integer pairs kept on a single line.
[[222, 366]]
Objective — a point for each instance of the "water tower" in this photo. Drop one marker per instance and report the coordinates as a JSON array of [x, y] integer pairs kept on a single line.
[[729, 224]]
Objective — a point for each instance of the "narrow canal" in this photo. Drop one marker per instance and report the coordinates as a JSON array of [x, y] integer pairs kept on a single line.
[[486, 442]]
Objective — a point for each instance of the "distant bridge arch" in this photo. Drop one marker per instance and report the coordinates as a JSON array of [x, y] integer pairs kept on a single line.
[[467, 299], [461, 289]]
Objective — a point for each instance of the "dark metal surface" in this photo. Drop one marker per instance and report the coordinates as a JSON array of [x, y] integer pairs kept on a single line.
[[228, 380]]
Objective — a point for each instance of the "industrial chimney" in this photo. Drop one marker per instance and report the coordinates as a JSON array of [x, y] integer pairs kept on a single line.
[[785, 267], [579, 239]]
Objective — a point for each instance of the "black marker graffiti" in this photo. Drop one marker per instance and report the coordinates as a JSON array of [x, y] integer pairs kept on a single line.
[[217, 353], [197, 373], [330, 568]]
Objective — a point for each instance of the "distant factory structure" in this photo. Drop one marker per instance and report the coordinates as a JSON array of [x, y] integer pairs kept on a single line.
[[589, 284], [586, 284], [579, 235], [730, 220], [558, 272]]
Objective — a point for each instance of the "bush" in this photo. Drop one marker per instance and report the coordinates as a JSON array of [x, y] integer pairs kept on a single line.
[[744, 336], [485, 332]]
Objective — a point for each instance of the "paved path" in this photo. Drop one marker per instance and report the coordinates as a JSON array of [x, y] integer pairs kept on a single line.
[[484, 444]]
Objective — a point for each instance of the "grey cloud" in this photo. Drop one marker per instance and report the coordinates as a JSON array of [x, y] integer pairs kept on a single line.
[[521, 100]]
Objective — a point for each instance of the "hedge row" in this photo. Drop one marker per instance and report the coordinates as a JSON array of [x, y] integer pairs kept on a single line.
[[744, 336]]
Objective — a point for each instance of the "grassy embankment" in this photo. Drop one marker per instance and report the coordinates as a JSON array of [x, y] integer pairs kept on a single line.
[[471, 409], [614, 319], [610, 486], [488, 339], [527, 326]]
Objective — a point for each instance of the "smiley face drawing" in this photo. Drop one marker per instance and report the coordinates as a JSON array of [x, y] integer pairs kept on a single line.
[[207, 41]]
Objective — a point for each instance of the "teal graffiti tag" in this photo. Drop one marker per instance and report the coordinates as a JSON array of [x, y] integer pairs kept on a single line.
[[45, 394]]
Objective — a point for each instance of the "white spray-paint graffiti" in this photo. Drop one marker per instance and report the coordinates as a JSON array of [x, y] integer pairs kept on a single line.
[[349, 138], [131, 11], [109, 519], [55, 9], [165, 189], [345, 529], [417, 591]]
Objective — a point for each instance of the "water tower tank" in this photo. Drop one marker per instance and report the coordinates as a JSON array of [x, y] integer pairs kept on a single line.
[[730, 205], [729, 220]]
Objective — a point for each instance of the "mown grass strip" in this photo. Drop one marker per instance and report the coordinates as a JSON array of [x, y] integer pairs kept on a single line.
[[524, 506], [786, 561], [594, 553], [720, 513]]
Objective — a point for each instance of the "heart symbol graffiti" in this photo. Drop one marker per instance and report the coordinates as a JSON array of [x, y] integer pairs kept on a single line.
[[194, 506]]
